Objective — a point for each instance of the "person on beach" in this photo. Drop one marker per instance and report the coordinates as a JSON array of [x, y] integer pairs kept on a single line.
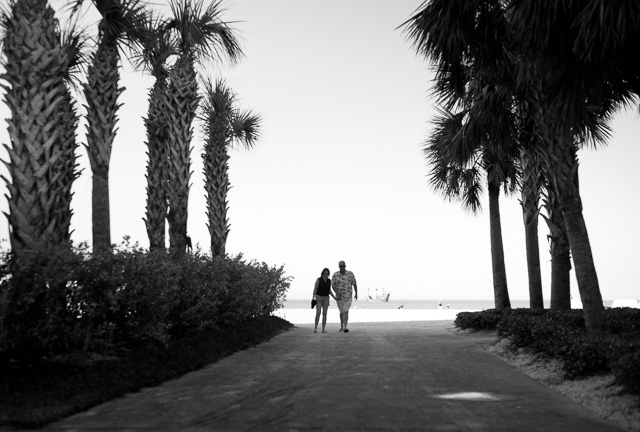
[[342, 283], [321, 293]]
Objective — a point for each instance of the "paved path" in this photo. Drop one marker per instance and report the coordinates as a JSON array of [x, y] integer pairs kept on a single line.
[[378, 377]]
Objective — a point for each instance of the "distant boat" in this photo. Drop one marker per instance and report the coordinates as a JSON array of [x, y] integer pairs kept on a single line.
[[379, 298]]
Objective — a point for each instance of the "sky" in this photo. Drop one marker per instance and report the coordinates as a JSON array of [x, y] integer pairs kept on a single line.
[[339, 172]]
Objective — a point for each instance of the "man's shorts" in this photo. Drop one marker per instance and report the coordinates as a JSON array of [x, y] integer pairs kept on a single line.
[[344, 305], [322, 301]]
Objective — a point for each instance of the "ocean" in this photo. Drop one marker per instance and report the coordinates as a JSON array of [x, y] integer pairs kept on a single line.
[[299, 311]]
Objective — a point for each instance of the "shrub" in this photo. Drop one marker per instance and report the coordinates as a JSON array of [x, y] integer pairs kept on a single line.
[[587, 354], [59, 300], [483, 320], [626, 366], [624, 321], [562, 335]]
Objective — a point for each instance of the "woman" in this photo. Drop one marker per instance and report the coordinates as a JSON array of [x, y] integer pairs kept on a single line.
[[321, 293]]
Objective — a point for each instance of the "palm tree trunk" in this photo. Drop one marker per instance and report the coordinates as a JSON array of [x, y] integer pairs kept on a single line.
[[585, 268], [35, 92], [182, 103], [560, 253], [68, 169], [157, 142], [100, 211], [560, 277], [101, 92], [500, 290], [217, 186], [536, 300], [530, 210], [562, 171]]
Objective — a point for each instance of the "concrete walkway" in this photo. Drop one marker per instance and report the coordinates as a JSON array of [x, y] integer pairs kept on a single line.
[[415, 376]]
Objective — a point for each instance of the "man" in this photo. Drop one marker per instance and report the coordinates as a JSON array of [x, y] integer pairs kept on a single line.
[[341, 282]]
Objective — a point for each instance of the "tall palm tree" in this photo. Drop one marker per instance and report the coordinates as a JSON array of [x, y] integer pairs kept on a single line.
[[40, 164], [575, 66], [154, 56], [121, 24], [201, 34], [223, 125], [461, 178], [471, 77]]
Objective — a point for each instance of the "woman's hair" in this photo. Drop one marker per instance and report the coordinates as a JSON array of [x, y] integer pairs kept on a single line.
[[325, 270]]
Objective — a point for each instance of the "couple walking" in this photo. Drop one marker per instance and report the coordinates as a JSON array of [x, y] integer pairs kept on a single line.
[[343, 284]]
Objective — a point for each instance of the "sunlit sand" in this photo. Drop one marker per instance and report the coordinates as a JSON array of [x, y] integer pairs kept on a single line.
[[307, 316]]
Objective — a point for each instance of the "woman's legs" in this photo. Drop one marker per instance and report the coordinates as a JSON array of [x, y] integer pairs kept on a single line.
[[317, 318], [324, 317]]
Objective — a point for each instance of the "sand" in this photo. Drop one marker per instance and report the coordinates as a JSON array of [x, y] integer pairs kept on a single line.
[[362, 315]]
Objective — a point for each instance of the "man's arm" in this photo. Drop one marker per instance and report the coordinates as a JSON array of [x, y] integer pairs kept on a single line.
[[355, 287]]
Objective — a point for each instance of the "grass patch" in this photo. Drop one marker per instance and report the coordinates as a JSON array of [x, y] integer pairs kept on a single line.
[[34, 395]]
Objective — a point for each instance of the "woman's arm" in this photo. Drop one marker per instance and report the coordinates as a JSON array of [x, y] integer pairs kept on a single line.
[[315, 288]]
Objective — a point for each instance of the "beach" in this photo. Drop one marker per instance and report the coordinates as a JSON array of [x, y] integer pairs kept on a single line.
[[300, 311]]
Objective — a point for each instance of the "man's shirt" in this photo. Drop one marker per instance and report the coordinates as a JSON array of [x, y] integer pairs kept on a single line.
[[343, 284]]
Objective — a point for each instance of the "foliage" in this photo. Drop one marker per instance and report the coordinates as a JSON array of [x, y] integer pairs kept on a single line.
[[62, 300], [51, 389], [485, 320], [563, 335]]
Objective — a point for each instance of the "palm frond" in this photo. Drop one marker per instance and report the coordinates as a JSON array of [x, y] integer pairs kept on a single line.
[[216, 107], [157, 48], [202, 33], [246, 127], [75, 43]]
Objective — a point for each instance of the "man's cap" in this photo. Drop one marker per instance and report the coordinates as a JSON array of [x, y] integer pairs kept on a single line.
[[341, 263]]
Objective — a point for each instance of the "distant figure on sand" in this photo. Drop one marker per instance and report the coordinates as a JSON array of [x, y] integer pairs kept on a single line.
[[342, 283], [321, 293]]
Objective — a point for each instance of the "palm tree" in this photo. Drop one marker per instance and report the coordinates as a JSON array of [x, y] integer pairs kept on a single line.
[[41, 164], [200, 34], [154, 57], [223, 125], [471, 76], [461, 178], [121, 24], [575, 63], [571, 79]]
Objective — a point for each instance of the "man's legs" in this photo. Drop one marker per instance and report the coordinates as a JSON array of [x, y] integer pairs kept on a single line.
[[345, 320]]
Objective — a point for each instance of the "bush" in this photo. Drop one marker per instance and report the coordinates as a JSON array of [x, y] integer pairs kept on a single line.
[[59, 300], [586, 355], [622, 321], [562, 335], [626, 367], [484, 320], [38, 394], [517, 324]]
